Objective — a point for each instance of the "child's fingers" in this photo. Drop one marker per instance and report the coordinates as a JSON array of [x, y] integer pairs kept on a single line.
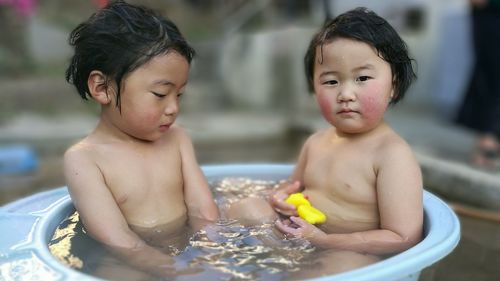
[[284, 228], [278, 199], [280, 226], [281, 206], [286, 222], [299, 221], [293, 187]]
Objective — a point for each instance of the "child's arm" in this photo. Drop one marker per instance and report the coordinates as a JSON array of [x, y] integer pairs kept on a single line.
[[96, 205], [277, 199], [102, 217], [197, 193], [400, 198], [399, 193]]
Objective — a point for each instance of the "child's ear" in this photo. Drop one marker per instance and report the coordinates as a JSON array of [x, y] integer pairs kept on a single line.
[[392, 95], [97, 87]]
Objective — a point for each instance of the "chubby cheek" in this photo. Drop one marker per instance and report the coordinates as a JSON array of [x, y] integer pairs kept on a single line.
[[143, 117], [373, 104], [152, 118], [149, 118], [145, 126], [324, 105]]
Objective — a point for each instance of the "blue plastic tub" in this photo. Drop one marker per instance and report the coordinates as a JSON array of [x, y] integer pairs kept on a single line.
[[17, 159], [28, 224]]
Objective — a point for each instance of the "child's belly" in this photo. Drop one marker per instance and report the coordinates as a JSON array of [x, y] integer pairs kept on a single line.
[[154, 209], [343, 216], [170, 234]]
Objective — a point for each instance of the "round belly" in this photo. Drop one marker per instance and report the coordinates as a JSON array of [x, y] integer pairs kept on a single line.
[[166, 233], [153, 212], [343, 216]]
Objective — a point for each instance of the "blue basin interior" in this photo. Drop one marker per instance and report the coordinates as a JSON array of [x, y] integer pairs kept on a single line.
[[29, 223]]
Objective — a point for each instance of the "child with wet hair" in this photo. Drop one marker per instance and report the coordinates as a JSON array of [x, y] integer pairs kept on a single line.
[[359, 172], [134, 179]]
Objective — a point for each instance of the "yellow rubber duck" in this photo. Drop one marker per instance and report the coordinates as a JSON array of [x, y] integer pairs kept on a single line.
[[304, 208]]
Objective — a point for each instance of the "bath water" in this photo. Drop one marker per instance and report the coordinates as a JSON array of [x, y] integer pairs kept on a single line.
[[226, 250]]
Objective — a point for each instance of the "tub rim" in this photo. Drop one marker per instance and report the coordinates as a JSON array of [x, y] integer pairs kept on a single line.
[[47, 209]]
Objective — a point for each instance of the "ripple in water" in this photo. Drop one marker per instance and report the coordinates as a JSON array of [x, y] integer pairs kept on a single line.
[[226, 250]]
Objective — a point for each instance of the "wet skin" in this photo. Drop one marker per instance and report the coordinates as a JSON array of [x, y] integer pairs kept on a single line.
[[359, 172]]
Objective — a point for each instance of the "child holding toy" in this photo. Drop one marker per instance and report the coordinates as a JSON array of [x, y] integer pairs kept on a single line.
[[359, 172]]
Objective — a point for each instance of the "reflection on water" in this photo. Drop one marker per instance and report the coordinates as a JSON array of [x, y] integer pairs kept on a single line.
[[226, 250], [26, 267], [60, 245]]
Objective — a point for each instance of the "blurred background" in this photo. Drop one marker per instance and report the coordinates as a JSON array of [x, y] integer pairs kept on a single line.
[[247, 99]]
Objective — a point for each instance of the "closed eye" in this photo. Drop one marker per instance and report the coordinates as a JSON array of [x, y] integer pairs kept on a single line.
[[158, 95]]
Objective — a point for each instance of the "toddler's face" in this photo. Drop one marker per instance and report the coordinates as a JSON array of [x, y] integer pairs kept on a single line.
[[150, 97], [353, 85]]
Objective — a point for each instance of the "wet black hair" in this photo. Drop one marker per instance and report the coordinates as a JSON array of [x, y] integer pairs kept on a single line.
[[118, 39], [364, 25]]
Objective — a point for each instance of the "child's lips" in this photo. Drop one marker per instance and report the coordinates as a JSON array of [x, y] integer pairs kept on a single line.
[[165, 126], [347, 110]]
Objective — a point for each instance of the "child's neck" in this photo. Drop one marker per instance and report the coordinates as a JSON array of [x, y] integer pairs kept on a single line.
[[106, 131], [363, 134]]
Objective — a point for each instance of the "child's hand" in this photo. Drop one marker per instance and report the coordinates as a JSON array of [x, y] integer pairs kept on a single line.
[[299, 228], [277, 200], [171, 268]]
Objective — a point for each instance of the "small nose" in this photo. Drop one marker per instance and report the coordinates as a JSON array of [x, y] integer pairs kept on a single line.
[[172, 107], [346, 94]]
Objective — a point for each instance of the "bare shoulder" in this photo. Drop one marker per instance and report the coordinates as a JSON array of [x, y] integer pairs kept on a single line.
[[392, 142], [179, 134], [392, 148], [81, 151], [180, 138], [318, 136], [80, 168], [79, 159]]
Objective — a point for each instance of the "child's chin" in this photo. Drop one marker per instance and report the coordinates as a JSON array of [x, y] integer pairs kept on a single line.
[[150, 138]]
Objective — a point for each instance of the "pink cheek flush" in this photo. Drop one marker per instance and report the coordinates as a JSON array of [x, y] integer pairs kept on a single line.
[[373, 104], [324, 105], [150, 118]]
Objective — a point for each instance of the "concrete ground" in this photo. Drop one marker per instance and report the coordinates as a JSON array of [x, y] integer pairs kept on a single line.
[[442, 149]]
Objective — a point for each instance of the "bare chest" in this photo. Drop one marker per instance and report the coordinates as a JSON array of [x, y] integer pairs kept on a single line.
[[342, 176], [137, 177], [343, 186]]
